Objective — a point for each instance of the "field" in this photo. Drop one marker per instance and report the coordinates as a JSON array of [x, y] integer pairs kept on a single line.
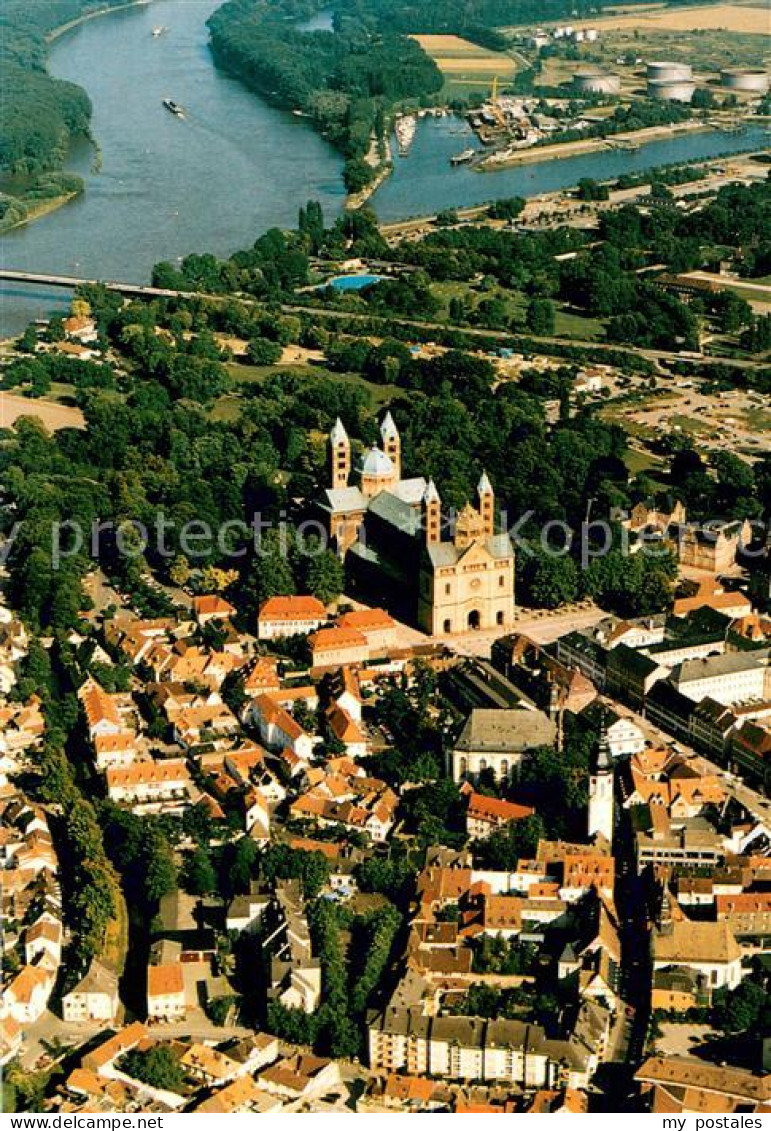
[[714, 17], [465, 64], [53, 415]]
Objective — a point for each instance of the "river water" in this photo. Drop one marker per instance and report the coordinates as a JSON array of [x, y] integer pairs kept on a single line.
[[235, 166]]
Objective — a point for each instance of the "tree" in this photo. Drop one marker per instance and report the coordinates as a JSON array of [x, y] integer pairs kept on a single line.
[[739, 1010], [324, 576], [517, 840], [157, 1067], [540, 316], [261, 351], [198, 875], [240, 865]]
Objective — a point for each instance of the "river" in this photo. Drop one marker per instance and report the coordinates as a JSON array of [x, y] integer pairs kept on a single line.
[[234, 166], [425, 182], [213, 182]]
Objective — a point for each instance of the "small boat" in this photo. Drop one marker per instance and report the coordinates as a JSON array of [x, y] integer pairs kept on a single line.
[[158, 30], [463, 158], [174, 107]]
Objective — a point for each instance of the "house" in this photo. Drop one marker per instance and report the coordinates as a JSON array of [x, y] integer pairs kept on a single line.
[[241, 1097], [94, 998], [337, 647], [623, 736], [294, 974], [751, 751], [43, 942], [736, 677], [100, 709], [631, 674], [165, 992], [486, 814], [497, 740], [669, 709], [347, 731], [209, 1066], [278, 729], [101, 1059], [378, 628], [575, 650], [301, 1076], [712, 725], [151, 786], [289, 616], [25, 997], [212, 607], [245, 912], [684, 1084]]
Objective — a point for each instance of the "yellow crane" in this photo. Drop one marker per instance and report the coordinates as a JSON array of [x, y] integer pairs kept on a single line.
[[494, 102]]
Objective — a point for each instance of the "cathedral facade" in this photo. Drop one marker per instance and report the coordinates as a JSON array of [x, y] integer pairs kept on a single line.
[[446, 573]]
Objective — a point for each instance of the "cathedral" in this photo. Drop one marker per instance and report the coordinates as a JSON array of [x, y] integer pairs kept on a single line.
[[447, 574]]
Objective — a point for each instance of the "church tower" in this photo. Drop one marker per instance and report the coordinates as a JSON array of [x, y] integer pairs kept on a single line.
[[339, 456], [432, 514], [601, 792], [392, 444], [486, 504]]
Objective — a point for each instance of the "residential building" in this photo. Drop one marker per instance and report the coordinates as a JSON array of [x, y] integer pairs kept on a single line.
[[165, 992], [736, 677], [289, 616], [94, 998]]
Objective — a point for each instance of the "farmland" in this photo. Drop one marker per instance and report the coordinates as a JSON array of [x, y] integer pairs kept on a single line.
[[465, 65]]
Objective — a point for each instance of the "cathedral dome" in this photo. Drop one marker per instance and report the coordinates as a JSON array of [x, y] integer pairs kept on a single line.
[[377, 465]]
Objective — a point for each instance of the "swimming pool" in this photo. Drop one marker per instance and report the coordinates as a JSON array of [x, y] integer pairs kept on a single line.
[[353, 282]]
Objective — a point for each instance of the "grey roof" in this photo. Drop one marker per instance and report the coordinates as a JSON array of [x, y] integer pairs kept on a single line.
[[466, 1031], [97, 979], [504, 1033], [410, 490], [396, 512], [443, 554], [506, 730], [720, 665], [622, 656], [342, 499]]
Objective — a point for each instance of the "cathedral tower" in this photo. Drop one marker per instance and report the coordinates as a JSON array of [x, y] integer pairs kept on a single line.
[[392, 444], [432, 514], [339, 455], [486, 503]]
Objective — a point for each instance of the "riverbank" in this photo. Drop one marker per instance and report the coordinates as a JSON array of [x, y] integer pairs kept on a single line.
[[58, 32], [34, 211], [561, 150]]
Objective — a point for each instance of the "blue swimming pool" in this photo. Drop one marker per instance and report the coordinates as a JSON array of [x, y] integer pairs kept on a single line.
[[353, 282]]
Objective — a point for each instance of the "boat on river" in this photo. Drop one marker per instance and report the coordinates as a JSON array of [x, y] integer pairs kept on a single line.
[[174, 107], [159, 30], [464, 158]]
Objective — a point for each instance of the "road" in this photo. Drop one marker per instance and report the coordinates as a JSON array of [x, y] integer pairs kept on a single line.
[[133, 290]]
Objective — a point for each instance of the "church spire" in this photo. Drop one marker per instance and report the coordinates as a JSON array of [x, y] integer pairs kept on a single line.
[[392, 444], [339, 455], [486, 503], [432, 514]]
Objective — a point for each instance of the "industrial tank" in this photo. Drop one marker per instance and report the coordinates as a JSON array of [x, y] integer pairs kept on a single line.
[[671, 72]]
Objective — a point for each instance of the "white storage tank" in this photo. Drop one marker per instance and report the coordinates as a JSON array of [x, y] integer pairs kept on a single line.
[[671, 90], [753, 81], [671, 72], [596, 82]]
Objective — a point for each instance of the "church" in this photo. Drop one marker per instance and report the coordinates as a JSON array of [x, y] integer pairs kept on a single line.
[[447, 574]]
